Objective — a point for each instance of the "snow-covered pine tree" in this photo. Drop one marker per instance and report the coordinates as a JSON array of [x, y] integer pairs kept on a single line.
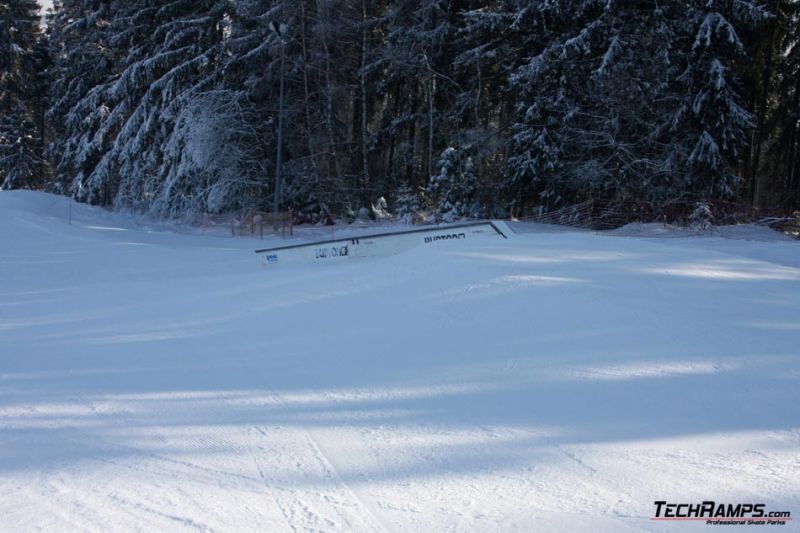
[[84, 59], [149, 133], [21, 157], [408, 204], [547, 90], [631, 100], [492, 40], [170, 154], [712, 111], [454, 189], [701, 219]]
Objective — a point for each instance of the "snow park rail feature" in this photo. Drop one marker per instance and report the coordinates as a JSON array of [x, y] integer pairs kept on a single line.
[[378, 245]]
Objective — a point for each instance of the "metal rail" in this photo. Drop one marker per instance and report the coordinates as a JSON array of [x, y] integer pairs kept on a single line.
[[387, 234]]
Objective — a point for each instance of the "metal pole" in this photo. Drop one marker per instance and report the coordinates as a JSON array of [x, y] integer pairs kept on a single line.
[[71, 199], [279, 155]]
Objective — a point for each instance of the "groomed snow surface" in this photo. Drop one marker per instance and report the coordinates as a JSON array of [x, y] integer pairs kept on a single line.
[[554, 381]]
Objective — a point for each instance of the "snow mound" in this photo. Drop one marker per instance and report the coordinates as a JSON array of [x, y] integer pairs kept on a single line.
[[745, 232]]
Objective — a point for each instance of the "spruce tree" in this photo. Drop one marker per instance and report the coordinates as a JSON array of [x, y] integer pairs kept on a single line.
[[632, 101], [21, 161], [84, 60]]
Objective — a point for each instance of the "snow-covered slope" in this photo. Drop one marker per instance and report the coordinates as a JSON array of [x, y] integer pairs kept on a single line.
[[557, 381]]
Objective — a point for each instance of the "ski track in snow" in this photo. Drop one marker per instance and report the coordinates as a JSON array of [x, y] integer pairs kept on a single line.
[[557, 381]]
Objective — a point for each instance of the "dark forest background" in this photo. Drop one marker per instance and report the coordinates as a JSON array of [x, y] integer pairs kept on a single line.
[[463, 108]]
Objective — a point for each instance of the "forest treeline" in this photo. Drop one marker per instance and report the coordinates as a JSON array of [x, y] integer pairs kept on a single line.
[[467, 108]]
